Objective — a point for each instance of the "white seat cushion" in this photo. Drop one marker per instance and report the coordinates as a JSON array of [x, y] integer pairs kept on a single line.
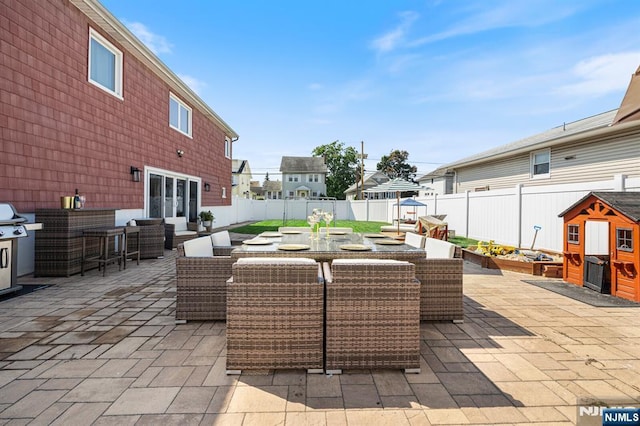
[[367, 261], [198, 247], [180, 223], [183, 233], [414, 240], [438, 249], [221, 238], [275, 261]]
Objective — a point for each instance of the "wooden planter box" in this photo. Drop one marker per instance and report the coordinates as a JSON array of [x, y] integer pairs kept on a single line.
[[547, 268]]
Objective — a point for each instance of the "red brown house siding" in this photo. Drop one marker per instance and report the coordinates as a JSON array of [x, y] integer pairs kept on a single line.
[[60, 132]]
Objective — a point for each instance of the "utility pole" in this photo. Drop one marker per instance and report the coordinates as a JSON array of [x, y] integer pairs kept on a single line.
[[362, 157]]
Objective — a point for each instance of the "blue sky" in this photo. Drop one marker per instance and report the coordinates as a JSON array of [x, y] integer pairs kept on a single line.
[[440, 79]]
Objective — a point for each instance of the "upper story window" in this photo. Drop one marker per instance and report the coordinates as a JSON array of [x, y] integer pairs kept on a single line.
[[293, 178], [624, 239], [105, 64], [541, 164], [313, 178], [573, 234], [179, 115], [227, 147]]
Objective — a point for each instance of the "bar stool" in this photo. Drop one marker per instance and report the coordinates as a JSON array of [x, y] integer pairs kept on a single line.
[[105, 255], [131, 250]]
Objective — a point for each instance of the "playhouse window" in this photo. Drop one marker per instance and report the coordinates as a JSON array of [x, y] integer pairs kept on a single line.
[[624, 239], [573, 234]]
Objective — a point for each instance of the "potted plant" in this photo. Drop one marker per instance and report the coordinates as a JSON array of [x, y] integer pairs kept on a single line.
[[206, 217]]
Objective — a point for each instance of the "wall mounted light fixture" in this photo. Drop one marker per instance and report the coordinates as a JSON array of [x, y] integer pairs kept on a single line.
[[180, 152], [135, 174], [207, 187]]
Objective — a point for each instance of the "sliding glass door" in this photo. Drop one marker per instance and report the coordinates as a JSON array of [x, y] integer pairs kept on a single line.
[[172, 196]]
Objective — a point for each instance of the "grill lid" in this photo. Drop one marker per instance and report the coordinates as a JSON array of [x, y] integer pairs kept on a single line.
[[9, 216]]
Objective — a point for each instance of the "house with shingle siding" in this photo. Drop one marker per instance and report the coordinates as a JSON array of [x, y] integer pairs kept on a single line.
[[303, 177]]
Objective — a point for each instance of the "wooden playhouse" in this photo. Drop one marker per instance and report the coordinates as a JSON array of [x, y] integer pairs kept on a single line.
[[601, 243]]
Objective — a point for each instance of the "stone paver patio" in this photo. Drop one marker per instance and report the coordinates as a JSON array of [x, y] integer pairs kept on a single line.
[[94, 350]]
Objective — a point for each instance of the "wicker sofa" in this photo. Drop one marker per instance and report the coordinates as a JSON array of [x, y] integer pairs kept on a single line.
[[372, 315], [202, 271], [177, 230], [275, 315]]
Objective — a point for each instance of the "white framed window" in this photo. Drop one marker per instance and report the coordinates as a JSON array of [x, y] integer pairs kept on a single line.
[[624, 239], [227, 147], [105, 64], [573, 234], [179, 115], [541, 164], [224, 192], [313, 178], [293, 178]]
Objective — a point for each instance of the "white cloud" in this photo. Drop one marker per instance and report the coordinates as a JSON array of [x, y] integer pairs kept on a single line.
[[392, 39], [601, 75], [196, 85], [156, 43]]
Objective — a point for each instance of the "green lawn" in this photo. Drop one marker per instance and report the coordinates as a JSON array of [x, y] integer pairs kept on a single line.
[[463, 242], [273, 225]]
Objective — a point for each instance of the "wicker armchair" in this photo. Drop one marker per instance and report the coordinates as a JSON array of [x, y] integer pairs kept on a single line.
[[177, 230], [151, 237], [440, 289], [201, 288], [275, 315], [372, 315]]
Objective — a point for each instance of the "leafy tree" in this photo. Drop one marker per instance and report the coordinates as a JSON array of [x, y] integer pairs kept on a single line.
[[266, 177], [395, 165], [340, 161]]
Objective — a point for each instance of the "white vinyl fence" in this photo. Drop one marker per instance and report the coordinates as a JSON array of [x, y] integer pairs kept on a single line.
[[507, 216]]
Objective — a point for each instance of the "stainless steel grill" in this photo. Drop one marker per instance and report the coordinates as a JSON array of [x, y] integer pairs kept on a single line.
[[12, 227]]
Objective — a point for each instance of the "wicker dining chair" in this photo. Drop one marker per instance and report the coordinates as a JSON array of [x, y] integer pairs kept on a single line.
[[275, 315], [372, 315]]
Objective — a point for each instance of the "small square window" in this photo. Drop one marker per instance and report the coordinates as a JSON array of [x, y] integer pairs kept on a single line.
[[624, 239], [541, 164], [105, 64], [573, 234], [179, 115]]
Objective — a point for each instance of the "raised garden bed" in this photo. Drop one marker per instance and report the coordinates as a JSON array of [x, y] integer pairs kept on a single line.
[[544, 268]]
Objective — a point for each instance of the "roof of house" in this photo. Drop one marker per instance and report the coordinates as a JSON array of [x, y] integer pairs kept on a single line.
[[237, 166], [112, 26], [303, 165], [272, 185], [439, 172], [547, 138], [630, 107], [627, 203], [371, 179]]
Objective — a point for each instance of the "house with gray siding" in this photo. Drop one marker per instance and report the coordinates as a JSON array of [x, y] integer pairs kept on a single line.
[[303, 177], [591, 149]]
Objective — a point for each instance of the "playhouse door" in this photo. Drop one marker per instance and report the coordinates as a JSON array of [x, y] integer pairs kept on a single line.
[[596, 274], [624, 276]]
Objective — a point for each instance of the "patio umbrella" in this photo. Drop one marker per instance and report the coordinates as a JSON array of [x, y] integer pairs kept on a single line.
[[396, 185], [412, 202]]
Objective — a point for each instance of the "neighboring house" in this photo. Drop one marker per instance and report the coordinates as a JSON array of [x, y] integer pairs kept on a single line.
[[439, 181], [86, 105], [371, 179], [241, 178], [272, 190], [592, 149], [256, 190], [303, 177]]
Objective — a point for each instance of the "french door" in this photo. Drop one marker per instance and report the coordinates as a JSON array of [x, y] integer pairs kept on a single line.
[[172, 195]]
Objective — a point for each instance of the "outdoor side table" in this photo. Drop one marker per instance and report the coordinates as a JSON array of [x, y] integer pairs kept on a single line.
[[131, 250], [106, 255]]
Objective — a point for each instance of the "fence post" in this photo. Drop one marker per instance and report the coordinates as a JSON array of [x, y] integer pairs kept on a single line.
[[467, 212], [619, 182], [518, 194]]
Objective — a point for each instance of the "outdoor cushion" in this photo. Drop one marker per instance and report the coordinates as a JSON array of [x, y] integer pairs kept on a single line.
[[221, 238], [414, 240], [198, 247], [180, 223], [438, 249], [275, 261]]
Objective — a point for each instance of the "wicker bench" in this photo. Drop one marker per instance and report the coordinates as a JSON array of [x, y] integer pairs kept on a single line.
[[177, 230], [275, 315], [372, 315]]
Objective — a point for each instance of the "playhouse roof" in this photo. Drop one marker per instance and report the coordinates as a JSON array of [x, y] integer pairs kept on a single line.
[[627, 203]]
